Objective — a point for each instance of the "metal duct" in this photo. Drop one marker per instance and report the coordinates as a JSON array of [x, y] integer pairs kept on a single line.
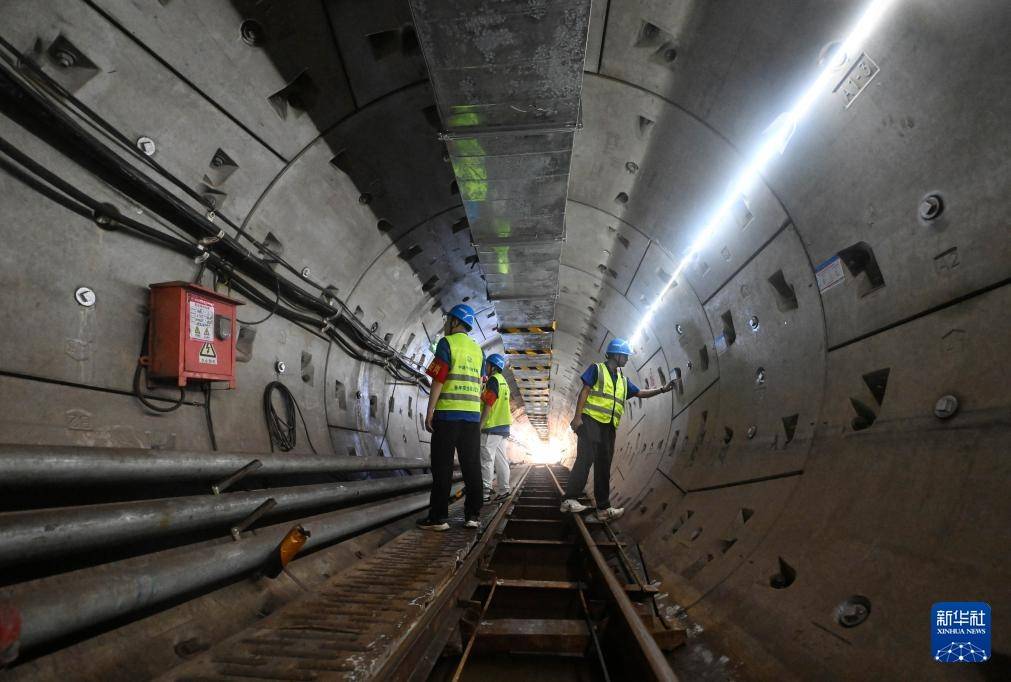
[[47, 465], [61, 605], [43, 533], [507, 77]]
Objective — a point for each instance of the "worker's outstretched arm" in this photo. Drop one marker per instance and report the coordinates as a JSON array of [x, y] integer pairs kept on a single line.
[[577, 421], [650, 392], [433, 398]]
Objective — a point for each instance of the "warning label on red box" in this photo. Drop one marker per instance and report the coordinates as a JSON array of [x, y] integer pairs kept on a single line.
[[201, 320], [207, 354]]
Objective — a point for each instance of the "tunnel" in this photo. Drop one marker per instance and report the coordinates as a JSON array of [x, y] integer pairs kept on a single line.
[[231, 235]]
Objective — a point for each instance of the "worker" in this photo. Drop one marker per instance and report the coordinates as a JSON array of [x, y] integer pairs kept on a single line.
[[454, 419], [598, 413], [495, 420]]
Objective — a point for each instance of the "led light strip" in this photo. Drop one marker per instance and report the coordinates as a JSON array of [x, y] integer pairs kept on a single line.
[[778, 135]]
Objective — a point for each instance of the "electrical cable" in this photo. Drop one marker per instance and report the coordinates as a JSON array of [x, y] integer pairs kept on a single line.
[[210, 418], [136, 382], [45, 190], [347, 330], [270, 314], [389, 412], [180, 246], [57, 91], [283, 431]]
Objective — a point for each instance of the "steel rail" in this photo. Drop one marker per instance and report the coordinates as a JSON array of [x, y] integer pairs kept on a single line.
[[44, 533], [473, 636], [61, 605], [64, 465], [593, 633], [652, 655]]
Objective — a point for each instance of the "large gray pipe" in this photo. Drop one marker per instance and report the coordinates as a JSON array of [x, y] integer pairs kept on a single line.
[[45, 465], [36, 534], [60, 605]]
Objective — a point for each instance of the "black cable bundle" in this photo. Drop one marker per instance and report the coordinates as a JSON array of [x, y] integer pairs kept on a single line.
[[283, 430], [25, 97]]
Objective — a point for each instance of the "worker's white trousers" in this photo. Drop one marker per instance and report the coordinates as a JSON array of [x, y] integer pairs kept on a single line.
[[494, 462]]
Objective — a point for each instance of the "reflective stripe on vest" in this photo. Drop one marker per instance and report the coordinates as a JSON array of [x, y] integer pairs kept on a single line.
[[499, 414], [606, 402], [462, 390]]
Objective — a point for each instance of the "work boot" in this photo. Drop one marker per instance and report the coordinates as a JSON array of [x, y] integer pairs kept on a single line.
[[425, 523], [503, 495], [610, 514], [573, 506], [472, 522]]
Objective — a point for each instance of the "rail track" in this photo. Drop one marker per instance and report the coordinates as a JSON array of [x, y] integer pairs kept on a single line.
[[534, 595]]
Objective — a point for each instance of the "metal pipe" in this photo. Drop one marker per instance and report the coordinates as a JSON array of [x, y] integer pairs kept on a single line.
[[60, 605], [42, 533], [56, 465]]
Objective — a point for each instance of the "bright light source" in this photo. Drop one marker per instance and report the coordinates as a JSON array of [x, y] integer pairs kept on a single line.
[[548, 451], [775, 140]]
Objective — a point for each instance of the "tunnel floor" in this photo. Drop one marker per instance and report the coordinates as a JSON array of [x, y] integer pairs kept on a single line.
[[521, 598]]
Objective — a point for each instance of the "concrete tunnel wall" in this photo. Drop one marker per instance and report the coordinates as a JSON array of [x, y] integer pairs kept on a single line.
[[798, 463]]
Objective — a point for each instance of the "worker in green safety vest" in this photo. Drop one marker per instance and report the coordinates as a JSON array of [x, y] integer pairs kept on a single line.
[[454, 419], [495, 420], [598, 413]]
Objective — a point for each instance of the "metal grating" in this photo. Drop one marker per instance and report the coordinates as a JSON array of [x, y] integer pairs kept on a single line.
[[507, 76]]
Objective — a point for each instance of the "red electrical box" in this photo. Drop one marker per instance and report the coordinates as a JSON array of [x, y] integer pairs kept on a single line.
[[192, 334]]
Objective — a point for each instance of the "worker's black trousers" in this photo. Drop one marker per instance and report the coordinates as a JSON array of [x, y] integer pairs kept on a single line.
[[465, 439], [594, 447]]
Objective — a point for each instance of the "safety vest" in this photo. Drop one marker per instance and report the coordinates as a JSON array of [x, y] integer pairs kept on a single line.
[[499, 414], [606, 402], [462, 390]]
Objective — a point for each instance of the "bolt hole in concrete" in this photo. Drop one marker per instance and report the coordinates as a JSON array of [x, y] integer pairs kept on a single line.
[[252, 33], [863, 266], [786, 297], [853, 611], [622, 198], [760, 376], [790, 427], [931, 207], [308, 371], [865, 415], [833, 55], [946, 407], [782, 580], [729, 332], [682, 520]]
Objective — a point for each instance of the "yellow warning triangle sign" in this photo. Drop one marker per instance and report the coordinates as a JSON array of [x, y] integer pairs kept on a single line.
[[207, 351]]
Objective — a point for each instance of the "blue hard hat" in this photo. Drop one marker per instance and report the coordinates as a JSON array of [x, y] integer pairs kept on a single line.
[[465, 314], [497, 360], [619, 347]]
